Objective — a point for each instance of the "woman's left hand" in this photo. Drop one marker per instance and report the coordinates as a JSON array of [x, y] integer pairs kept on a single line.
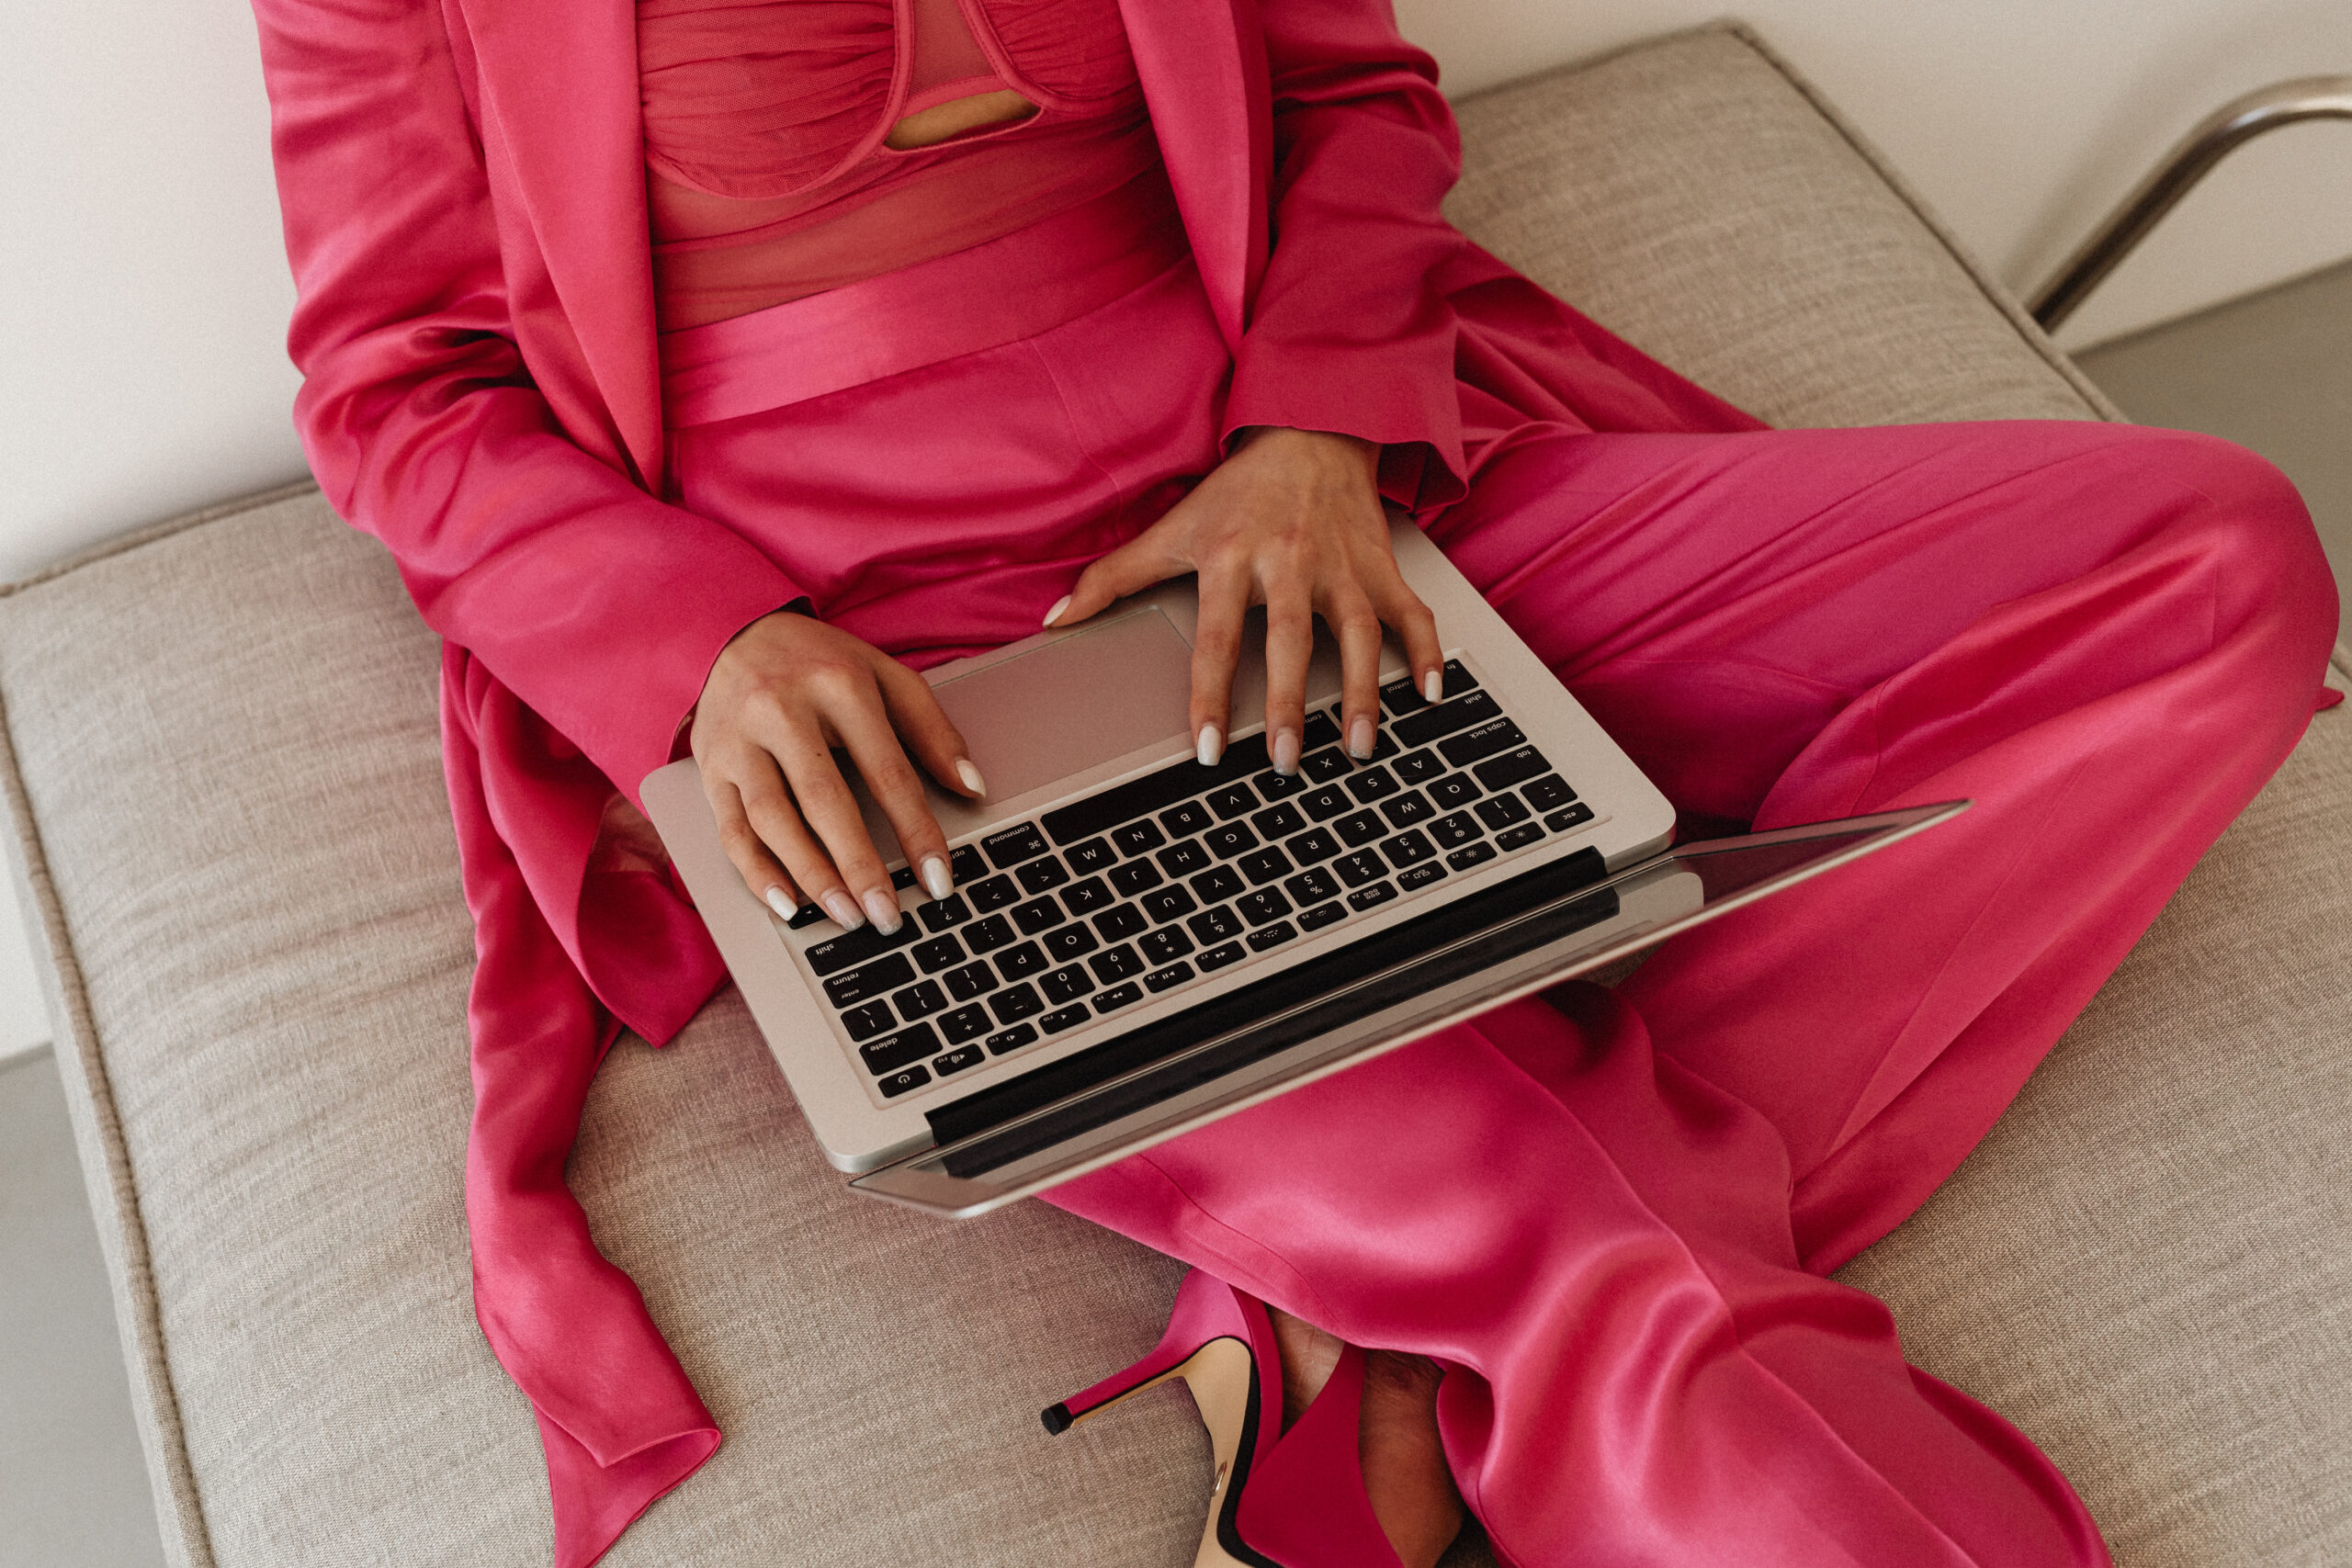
[[1291, 520]]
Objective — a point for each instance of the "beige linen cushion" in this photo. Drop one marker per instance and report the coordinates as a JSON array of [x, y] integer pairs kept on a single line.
[[224, 773]]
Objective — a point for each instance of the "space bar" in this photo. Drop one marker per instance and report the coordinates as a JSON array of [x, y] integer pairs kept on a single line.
[[1178, 781]]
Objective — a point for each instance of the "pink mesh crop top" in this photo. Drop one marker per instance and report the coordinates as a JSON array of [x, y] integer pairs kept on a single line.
[[764, 126]]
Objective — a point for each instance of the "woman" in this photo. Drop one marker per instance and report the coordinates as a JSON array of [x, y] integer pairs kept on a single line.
[[705, 370]]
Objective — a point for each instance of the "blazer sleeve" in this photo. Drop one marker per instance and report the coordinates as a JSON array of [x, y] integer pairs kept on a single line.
[[1350, 330], [598, 605]]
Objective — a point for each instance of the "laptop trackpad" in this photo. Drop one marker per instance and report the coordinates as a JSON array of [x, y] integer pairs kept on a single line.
[[1076, 703]]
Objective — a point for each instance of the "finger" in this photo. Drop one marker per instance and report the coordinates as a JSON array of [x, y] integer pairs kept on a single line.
[[1401, 607], [824, 796], [932, 737], [1356, 624], [865, 728], [759, 870], [1290, 643], [1217, 651], [1134, 566], [768, 806]]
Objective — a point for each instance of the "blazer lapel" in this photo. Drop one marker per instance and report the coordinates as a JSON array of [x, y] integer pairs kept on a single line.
[[559, 88]]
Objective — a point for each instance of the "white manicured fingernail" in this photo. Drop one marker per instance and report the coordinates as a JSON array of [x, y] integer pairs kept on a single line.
[[971, 776], [1055, 613], [1360, 740], [1433, 687], [936, 880], [1286, 751], [882, 909], [844, 909], [1211, 745], [780, 903]]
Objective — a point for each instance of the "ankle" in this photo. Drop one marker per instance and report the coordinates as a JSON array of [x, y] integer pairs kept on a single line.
[[1309, 1355]]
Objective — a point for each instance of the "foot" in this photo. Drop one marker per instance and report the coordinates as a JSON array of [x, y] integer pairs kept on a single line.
[[1412, 1492]]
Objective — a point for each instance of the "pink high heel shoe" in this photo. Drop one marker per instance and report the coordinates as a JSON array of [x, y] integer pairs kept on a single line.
[[1292, 1499]]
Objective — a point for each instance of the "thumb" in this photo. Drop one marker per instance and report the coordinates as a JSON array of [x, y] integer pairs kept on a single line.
[[1132, 567]]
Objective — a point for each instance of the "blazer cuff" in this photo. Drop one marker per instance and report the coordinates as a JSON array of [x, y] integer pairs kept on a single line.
[[1416, 419]]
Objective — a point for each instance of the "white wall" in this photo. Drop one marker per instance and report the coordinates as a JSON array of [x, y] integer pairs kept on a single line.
[[143, 296]]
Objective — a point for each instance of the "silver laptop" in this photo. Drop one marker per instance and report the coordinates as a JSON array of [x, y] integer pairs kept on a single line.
[[1138, 944]]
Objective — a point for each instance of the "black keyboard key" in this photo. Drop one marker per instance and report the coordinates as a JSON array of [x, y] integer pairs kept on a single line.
[[1065, 1018], [1322, 729], [1403, 695], [831, 956], [1469, 855], [1174, 975], [1407, 809], [1067, 984], [1135, 876], [804, 916], [972, 980], [1313, 847], [1218, 957], [1458, 829], [1022, 1001], [1187, 819], [1165, 945], [1086, 859], [1070, 943], [1365, 897], [1322, 914], [940, 953], [1038, 915], [1272, 936], [1039, 876], [1119, 963], [1117, 925], [1118, 997], [1549, 793], [964, 865], [968, 1022], [1219, 924], [1234, 799], [887, 1056], [1408, 848], [900, 1082], [1182, 860], [1359, 868], [1322, 767], [882, 976], [957, 1061], [1216, 886], [1264, 866], [1575, 816], [1011, 847], [1086, 898], [1164, 904], [1371, 783], [903, 878], [941, 913], [1313, 886], [865, 1022], [1453, 791], [1520, 837], [1420, 875], [1278, 821], [1504, 771], [1139, 838], [1326, 803], [993, 894], [1012, 1039], [1232, 838], [919, 1001], [1278, 786], [1154, 792], [1266, 903], [1471, 745], [1019, 963], [1457, 679], [1446, 718], [988, 934], [1500, 811], [1362, 828], [1418, 767], [1384, 746]]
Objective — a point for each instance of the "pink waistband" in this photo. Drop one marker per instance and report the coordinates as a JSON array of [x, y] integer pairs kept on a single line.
[[1017, 286]]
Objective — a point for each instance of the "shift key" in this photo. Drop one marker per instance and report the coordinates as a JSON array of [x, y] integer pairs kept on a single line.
[[1495, 735]]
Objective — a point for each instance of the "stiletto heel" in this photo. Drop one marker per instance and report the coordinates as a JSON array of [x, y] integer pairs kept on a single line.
[[1282, 1499]]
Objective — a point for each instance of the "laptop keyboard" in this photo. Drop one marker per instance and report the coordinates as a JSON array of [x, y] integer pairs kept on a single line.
[[1155, 885]]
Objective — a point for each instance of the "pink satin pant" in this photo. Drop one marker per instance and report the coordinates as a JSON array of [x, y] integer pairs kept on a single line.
[[1609, 1215]]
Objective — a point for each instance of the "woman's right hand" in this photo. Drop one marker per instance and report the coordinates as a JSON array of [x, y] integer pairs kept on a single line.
[[779, 698]]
